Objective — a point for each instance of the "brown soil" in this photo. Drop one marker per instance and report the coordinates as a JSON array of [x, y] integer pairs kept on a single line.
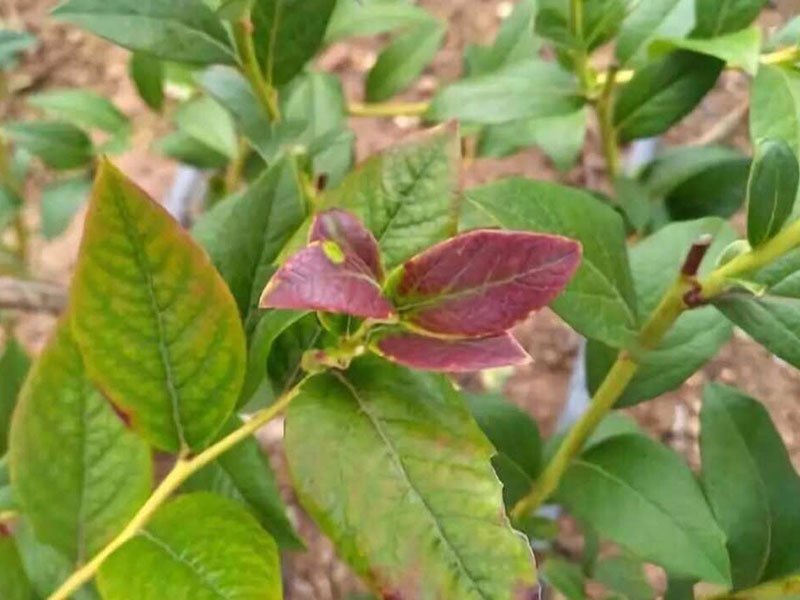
[[67, 57]]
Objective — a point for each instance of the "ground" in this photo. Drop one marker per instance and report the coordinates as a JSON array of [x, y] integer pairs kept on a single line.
[[67, 57]]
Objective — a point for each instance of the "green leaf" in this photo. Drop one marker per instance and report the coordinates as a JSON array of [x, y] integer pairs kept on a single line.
[[284, 363], [521, 90], [740, 49], [775, 105], [12, 43], [186, 149], [10, 204], [288, 34], [679, 588], [206, 121], [625, 576], [718, 17], [663, 92], [649, 20], [515, 436], [257, 389], [315, 112], [181, 30], [14, 584], [14, 365], [157, 326], [719, 190], [561, 137], [403, 60], [741, 449], [771, 190], [565, 577], [60, 202], [147, 73], [641, 495], [601, 20], [599, 301], [58, 144], [82, 108], [362, 18], [244, 474], [697, 334], [77, 473], [772, 319], [244, 235], [197, 546], [414, 461], [231, 90], [46, 568], [514, 42], [406, 195]]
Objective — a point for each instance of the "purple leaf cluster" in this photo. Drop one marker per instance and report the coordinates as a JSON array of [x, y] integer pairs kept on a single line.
[[451, 306]]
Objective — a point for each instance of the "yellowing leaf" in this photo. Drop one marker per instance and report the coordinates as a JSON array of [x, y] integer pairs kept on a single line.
[[157, 326]]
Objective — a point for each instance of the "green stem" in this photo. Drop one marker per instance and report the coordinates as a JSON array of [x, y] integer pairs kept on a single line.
[[622, 372], [251, 69], [580, 56], [387, 109], [233, 174], [605, 117], [783, 242], [614, 384], [184, 468]]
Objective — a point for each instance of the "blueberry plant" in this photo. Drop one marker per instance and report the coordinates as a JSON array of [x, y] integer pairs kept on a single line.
[[349, 299]]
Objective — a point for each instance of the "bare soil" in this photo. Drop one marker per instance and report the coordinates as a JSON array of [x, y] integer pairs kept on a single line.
[[68, 57]]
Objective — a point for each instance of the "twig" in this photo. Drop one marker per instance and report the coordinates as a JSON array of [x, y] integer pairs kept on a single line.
[[387, 109], [723, 128], [183, 469], [32, 296]]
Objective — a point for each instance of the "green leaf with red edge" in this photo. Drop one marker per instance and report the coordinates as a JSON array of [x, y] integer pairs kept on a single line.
[[451, 355], [198, 546], [156, 324], [350, 234], [483, 282], [77, 473], [406, 196], [407, 494], [323, 276]]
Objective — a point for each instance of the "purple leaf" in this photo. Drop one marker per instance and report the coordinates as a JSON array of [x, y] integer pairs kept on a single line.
[[323, 277], [346, 230], [482, 282], [437, 354]]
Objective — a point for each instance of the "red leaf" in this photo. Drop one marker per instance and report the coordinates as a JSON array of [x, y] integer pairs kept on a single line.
[[346, 230], [436, 354], [482, 282], [323, 277]]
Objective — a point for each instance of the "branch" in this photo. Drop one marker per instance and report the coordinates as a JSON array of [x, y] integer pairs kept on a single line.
[[183, 469], [616, 381], [32, 296]]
